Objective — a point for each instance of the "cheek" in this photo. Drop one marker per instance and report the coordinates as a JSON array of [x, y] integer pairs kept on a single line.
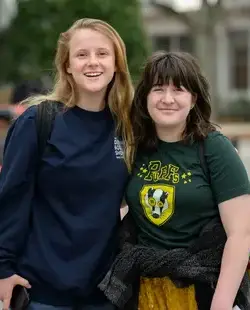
[[110, 65], [185, 103], [75, 65], [150, 105], [183, 114], [152, 111]]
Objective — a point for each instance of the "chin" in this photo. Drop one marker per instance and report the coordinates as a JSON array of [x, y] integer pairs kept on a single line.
[[167, 122], [96, 89]]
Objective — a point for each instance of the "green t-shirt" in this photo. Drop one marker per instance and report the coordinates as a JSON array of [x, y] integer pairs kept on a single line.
[[169, 195]]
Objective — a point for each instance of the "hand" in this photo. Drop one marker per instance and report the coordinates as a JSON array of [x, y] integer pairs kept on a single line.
[[6, 288]]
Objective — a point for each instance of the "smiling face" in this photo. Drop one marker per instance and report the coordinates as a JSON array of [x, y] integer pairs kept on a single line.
[[171, 101], [169, 105], [91, 60]]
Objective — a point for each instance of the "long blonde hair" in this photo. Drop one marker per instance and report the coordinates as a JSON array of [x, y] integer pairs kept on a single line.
[[121, 91]]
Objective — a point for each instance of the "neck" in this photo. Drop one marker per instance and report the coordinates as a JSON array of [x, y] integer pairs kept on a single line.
[[170, 134], [91, 101]]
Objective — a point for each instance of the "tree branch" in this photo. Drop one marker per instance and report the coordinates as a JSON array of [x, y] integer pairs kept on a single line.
[[169, 10]]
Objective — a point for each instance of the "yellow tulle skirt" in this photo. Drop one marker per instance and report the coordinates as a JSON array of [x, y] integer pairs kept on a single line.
[[162, 294]]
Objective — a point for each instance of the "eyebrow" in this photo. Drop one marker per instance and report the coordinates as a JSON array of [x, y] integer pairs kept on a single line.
[[98, 48], [81, 50]]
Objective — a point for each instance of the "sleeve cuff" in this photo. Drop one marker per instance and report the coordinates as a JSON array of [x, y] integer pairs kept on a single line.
[[234, 192]]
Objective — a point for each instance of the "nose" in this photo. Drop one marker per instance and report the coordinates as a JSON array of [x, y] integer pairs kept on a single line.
[[92, 61], [168, 97], [156, 213]]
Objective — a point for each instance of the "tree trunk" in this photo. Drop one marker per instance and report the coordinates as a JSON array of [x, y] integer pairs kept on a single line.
[[205, 49]]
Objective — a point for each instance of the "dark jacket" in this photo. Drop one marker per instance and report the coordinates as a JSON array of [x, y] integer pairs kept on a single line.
[[199, 265]]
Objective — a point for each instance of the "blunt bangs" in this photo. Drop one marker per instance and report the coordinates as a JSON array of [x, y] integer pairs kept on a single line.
[[170, 69]]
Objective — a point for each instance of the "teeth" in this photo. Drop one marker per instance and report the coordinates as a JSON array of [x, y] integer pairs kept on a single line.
[[92, 74]]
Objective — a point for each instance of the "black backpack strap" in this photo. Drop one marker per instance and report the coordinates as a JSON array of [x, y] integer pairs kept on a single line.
[[45, 116], [203, 162]]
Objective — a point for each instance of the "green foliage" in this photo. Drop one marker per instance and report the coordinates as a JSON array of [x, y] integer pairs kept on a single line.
[[27, 48]]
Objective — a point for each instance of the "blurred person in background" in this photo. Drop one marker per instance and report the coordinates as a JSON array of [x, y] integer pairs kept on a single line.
[[27, 88], [22, 91], [58, 223], [6, 116]]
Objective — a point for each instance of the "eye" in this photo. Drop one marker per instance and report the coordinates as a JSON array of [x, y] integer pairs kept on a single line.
[[178, 88], [102, 53], [152, 202], [157, 89], [160, 204], [82, 54]]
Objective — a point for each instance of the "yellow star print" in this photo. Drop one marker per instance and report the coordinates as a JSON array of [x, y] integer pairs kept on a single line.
[[187, 177], [184, 176]]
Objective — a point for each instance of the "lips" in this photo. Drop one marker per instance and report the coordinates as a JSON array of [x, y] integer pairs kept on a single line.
[[168, 110], [93, 74]]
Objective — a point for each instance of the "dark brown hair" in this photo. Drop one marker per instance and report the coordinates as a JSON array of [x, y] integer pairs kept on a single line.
[[183, 70]]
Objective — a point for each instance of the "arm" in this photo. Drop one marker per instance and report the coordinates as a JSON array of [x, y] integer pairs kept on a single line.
[[16, 189], [231, 189], [235, 215]]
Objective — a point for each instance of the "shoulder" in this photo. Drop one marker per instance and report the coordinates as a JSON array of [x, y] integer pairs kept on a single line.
[[216, 136], [22, 135], [47, 107], [221, 153], [23, 125], [28, 114], [229, 178], [217, 142]]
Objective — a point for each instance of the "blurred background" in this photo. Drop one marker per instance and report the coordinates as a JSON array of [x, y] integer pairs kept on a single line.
[[216, 31]]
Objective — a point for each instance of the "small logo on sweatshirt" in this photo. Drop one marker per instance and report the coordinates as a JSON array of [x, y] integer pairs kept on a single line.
[[119, 148]]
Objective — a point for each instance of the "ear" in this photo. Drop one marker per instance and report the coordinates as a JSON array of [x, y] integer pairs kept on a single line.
[[68, 69], [194, 99]]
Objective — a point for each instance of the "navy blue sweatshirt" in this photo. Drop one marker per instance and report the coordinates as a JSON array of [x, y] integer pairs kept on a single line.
[[58, 222]]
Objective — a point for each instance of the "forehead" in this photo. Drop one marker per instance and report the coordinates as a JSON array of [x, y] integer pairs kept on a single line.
[[168, 80], [169, 72], [89, 39]]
